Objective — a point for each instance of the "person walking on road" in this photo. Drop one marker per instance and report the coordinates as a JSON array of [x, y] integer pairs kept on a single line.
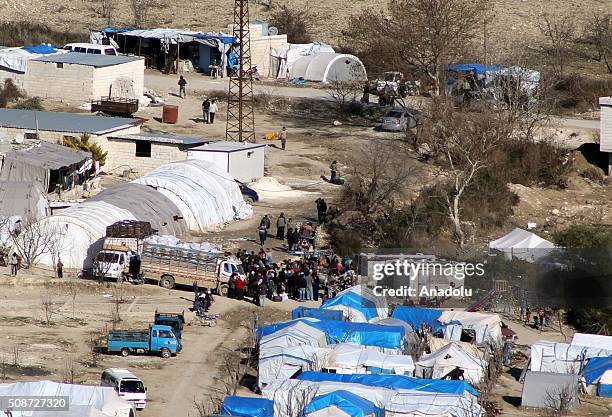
[[182, 82], [205, 109], [264, 225], [212, 110], [281, 222], [283, 137], [334, 171], [60, 268], [14, 263]]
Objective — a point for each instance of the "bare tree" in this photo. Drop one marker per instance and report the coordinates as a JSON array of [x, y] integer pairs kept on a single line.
[[419, 34], [35, 239], [16, 353], [73, 291], [70, 370], [105, 9], [558, 401], [117, 301], [559, 33], [598, 35], [344, 93], [295, 22], [47, 305], [3, 367], [141, 11]]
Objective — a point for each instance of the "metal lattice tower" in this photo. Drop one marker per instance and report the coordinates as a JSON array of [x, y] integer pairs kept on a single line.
[[240, 114]]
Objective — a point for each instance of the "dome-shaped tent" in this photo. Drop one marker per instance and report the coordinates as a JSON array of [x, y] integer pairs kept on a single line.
[[78, 232], [327, 66]]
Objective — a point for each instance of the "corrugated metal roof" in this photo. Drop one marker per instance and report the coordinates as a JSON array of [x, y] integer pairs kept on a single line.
[[226, 146], [63, 122], [165, 138], [91, 60]]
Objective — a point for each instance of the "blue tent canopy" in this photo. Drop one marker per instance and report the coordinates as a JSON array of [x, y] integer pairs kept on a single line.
[[220, 38], [595, 368], [354, 301], [351, 404], [247, 407], [366, 334], [110, 29], [415, 316], [316, 313], [40, 49], [476, 68], [392, 382]]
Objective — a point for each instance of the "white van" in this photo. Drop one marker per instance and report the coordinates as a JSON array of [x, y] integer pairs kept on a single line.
[[128, 386], [91, 48]]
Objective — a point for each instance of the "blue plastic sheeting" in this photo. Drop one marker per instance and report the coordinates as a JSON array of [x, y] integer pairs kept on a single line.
[[604, 390], [110, 29], [392, 382], [478, 69], [365, 334], [354, 301], [40, 49], [415, 316], [595, 368], [222, 39], [351, 404], [247, 407], [316, 313]]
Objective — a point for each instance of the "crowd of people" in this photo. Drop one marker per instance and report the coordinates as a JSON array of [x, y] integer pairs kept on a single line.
[[317, 275], [300, 237]]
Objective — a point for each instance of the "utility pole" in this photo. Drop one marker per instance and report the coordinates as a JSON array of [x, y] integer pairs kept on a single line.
[[240, 114]]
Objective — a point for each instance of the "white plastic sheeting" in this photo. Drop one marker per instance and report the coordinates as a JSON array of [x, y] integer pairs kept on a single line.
[[79, 232], [438, 364], [289, 397], [173, 241], [84, 400], [486, 326], [328, 66], [205, 195], [284, 362], [288, 56], [592, 340], [16, 59], [562, 358], [355, 359]]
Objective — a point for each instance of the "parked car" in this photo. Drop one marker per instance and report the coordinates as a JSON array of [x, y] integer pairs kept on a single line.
[[91, 48], [399, 120], [249, 194]]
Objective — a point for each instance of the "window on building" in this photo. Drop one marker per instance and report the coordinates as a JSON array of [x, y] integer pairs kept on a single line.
[[143, 149], [59, 65], [30, 135]]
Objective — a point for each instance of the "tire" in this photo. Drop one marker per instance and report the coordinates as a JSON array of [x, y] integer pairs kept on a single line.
[[167, 281], [222, 290], [125, 352], [165, 353]]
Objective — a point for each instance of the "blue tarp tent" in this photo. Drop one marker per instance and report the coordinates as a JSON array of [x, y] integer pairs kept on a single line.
[[247, 407], [366, 334], [476, 68], [316, 313], [392, 382], [593, 372], [415, 316], [352, 405], [40, 49], [221, 38], [359, 305]]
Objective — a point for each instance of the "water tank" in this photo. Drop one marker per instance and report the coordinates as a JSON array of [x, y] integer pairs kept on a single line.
[[170, 114]]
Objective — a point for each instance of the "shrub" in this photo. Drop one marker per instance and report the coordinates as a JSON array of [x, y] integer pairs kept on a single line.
[[295, 23], [30, 33], [32, 103], [9, 93]]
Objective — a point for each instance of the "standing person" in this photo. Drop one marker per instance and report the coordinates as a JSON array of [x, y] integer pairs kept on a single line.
[[283, 137], [182, 82], [239, 287], [281, 222], [212, 110], [205, 109], [309, 286], [334, 171], [19, 261], [527, 315], [301, 283], [262, 289], [231, 286], [541, 316], [60, 268], [316, 285], [14, 264], [321, 209], [264, 225]]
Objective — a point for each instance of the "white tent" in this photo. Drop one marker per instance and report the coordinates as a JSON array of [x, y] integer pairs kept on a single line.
[[486, 326], [205, 195], [79, 232], [429, 404], [438, 364], [83, 400], [284, 362], [298, 333], [287, 56], [522, 244], [592, 340], [562, 358], [327, 66], [346, 358]]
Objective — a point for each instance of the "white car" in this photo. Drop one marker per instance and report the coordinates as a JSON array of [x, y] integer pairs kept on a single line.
[[128, 386], [91, 48]]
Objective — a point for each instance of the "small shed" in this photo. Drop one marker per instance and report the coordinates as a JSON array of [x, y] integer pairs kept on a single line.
[[143, 152], [243, 161], [546, 389], [82, 77]]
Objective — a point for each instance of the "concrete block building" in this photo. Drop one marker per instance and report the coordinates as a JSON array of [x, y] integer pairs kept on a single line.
[[242, 160], [142, 152], [605, 129]]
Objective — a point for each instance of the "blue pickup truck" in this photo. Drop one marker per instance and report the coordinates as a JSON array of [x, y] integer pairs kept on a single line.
[[158, 339]]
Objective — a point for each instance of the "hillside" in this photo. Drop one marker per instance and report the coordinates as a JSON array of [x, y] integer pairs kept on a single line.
[[514, 19]]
